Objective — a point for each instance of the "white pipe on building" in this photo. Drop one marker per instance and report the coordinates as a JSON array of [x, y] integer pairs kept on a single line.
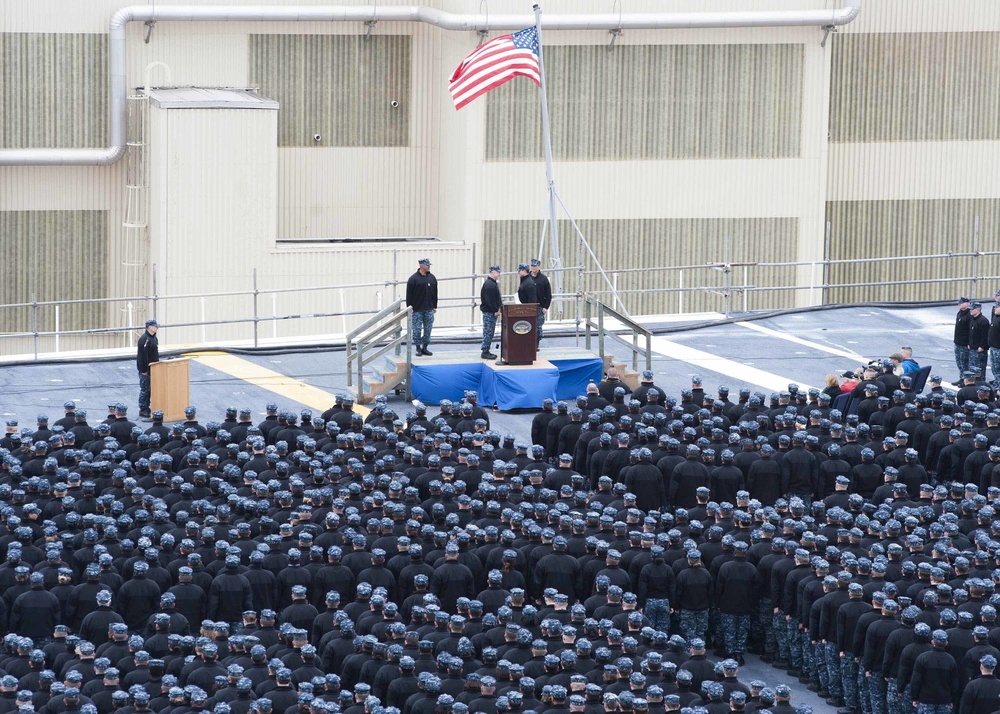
[[406, 13]]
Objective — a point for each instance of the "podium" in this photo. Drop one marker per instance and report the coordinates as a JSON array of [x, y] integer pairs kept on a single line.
[[519, 333], [169, 388]]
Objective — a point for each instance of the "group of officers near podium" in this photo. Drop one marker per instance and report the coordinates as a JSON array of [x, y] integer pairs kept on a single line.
[[421, 297], [534, 289]]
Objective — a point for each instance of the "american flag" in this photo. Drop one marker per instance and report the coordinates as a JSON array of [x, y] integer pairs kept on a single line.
[[494, 63]]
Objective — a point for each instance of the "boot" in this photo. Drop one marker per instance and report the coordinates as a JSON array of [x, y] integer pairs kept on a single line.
[[418, 352], [835, 701], [766, 658], [740, 661], [427, 352], [812, 687], [488, 355], [780, 663]]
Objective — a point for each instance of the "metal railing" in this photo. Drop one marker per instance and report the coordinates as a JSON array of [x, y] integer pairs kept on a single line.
[[605, 332], [386, 331], [717, 286]]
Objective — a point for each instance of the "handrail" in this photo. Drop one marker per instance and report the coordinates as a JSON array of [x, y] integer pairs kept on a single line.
[[373, 319], [603, 332], [386, 330]]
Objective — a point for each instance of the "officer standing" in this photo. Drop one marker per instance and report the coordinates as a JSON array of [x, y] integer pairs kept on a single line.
[[979, 344], [490, 303], [422, 298], [961, 338], [148, 352], [526, 292], [543, 291]]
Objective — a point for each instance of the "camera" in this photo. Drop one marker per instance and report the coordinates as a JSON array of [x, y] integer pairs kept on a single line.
[[394, 104], [317, 137]]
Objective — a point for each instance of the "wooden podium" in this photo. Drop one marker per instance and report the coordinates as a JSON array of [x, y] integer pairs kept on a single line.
[[169, 388], [519, 334]]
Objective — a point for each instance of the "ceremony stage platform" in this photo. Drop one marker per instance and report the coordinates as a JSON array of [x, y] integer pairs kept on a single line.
[[558, 373]]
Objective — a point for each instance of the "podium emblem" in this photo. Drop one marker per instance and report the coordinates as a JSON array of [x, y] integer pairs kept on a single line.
[[521, 327]]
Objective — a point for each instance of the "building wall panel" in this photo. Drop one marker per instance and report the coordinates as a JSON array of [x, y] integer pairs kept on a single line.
[[340, 87], [640, 245], [885, 229], [902, 170], [60, 255], [915, 87], [655, 102], [53, 90]]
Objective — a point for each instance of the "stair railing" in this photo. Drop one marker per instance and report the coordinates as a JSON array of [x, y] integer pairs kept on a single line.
[[596, 319], [383, 332]]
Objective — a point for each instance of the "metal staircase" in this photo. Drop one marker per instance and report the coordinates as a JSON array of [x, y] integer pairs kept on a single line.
[[605, 323], [379, 356]]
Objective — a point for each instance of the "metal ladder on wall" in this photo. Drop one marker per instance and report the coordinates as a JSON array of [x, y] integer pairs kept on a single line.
[[379, 343], [133, 244]]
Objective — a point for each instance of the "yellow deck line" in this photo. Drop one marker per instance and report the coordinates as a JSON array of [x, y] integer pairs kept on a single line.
[[268, 379]]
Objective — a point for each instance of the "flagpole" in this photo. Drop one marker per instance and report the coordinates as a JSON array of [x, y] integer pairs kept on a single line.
[[547, 140]]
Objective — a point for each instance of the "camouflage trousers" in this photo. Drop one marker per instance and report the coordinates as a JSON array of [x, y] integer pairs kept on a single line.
[[907, 700], [658, 612], [693, 623], [864, 691], [934, 709], [715, 629], [794, 643], [835, 684], [761, 632], [877, 693], [779, 631], [893, 703], [849, 680], [735, 629], [808, 668], [818, 673]]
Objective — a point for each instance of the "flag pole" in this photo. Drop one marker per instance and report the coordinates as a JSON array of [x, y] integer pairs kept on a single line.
[[547, 140]]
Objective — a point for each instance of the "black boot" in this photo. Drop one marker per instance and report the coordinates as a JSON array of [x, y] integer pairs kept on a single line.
[[427, 352], [419, 352]]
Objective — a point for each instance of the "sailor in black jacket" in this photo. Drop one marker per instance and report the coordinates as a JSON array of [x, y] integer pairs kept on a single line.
[[935, 678], [147, 353], [490, 303], [526, 292], [543, 291]]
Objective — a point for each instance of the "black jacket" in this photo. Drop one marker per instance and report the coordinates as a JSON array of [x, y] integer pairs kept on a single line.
[[229, 596], [694, 589], [935, 678], [994, 337], [979, 332], [736, 589], [981, 696], [962, 320], [543, 290], [526, 291], [422, 292], [656, 581], [147, 353], [490, 300]]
